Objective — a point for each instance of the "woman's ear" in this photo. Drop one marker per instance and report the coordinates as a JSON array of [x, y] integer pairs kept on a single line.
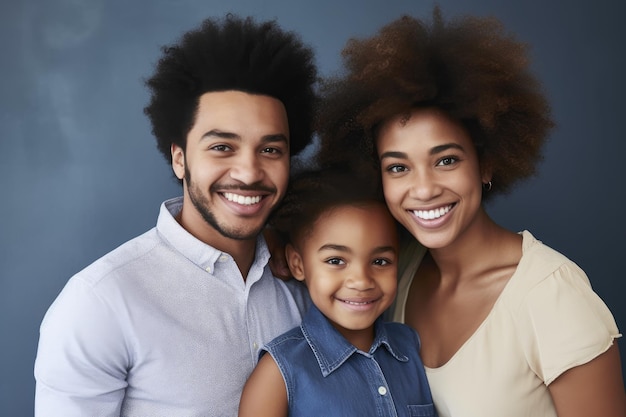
[[294, 260], [486, 172]]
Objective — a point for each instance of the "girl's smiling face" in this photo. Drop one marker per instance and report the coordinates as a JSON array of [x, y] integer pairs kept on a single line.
[[431, 175], [349, 263]]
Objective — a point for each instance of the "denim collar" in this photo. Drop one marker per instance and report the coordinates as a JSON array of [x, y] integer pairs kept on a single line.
[[331, 349]]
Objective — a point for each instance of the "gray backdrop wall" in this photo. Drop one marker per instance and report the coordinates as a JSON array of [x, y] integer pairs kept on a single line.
[[80, 174]]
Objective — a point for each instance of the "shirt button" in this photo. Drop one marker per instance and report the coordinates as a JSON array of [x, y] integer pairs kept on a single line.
[[382, 390], [254, 345], [208, 269], [223, 258]]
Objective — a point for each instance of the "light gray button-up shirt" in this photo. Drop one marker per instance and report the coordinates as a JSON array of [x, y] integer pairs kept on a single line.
[[164, 325]]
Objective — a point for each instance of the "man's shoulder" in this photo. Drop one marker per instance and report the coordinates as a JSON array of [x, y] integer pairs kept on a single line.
[[127, 255], [298, 291], [294, 286]]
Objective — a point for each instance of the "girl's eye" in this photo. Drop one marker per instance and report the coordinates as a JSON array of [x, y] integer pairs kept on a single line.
[[335, 261], [382, 262], [448, 160]]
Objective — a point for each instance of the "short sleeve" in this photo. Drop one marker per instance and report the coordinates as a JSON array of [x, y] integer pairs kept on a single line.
[[81, 359], [563, 323]]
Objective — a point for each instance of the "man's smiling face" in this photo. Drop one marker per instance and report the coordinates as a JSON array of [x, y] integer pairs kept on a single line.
[[235, 165]]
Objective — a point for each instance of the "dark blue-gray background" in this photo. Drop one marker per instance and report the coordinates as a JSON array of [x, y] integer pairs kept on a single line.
[[80, 174]]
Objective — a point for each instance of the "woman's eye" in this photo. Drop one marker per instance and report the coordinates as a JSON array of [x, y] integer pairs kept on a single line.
[[396, 168], [449, 160]]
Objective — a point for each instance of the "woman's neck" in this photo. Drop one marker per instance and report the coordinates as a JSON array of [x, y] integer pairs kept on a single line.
[[482, 246]]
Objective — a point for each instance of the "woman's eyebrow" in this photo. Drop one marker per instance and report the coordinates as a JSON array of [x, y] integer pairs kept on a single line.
[[394, 154], [446, 146]]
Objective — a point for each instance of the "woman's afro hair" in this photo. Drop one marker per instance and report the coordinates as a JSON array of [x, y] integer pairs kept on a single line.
[[467, 67], [232, 54]]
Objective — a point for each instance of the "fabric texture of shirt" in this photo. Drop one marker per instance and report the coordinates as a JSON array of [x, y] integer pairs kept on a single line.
[[546, 320], [164, 325], [327, 376]]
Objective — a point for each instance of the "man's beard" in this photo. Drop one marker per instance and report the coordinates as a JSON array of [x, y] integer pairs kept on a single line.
[[201, 204]]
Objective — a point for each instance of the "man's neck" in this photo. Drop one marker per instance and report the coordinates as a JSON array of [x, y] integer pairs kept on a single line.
[[242, 250]]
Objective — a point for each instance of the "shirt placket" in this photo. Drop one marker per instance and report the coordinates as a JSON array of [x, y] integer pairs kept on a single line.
[[380, 390]]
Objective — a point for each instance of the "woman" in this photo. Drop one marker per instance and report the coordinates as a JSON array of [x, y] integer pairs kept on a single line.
[[452, 115]]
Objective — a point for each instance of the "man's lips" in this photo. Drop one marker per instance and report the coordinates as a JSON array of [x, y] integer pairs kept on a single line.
[[245, 200]]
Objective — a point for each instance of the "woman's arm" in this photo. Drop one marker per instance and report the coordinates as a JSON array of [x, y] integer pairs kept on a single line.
[[592, 389], [265, 393]]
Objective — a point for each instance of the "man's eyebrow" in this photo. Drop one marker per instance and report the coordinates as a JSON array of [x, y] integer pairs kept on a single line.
[[277, 137], [216, 133]]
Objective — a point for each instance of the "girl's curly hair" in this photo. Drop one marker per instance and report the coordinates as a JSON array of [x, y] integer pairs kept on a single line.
[[314, 191], [232, 54], [467, 67]]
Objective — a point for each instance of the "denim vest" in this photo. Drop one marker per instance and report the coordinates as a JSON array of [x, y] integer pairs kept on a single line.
[[327, 376]]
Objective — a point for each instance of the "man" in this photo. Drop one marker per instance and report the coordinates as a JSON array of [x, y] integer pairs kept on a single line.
[[170, 323]]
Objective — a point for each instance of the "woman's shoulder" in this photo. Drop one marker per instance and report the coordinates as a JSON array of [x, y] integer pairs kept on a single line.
[[545, 280], [540, 262], [559, 319]]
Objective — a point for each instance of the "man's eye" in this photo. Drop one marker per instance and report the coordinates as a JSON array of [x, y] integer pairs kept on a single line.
[[272, 151], [221, 148], [382, 262], [335, 261]]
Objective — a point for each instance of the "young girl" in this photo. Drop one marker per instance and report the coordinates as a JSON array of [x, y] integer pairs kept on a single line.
[[452, 116], [343, 360]]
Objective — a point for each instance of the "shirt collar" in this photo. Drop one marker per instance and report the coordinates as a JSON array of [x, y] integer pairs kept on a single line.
[[198, 252], [331, 349]]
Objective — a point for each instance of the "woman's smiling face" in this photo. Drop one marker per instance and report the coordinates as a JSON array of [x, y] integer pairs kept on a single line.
[[431, 175]]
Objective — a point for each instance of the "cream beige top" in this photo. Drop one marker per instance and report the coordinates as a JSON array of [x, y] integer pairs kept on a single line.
[[546, 320]]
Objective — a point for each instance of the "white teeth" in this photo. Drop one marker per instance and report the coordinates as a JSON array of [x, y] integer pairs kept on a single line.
[[432, 214], [242, 199], [357, 303]]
